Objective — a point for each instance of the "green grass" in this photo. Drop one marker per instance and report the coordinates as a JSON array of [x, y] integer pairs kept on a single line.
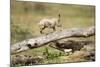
[[25, 17]]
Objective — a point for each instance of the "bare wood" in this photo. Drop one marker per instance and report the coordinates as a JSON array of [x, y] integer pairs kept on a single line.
[[43, 39]]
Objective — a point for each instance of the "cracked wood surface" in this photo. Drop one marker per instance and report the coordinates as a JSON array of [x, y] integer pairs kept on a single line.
[[46, 38]]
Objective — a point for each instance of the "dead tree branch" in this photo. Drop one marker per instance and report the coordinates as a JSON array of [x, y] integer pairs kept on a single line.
[[43, 39]]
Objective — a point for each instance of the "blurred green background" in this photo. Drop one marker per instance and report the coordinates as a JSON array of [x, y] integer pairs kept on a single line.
[[25, 17]]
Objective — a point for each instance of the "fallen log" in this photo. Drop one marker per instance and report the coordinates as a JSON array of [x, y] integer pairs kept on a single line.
[[25, 60], [43, 39], [75, 45]]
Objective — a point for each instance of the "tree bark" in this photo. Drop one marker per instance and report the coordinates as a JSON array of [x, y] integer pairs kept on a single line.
[[46, 38]]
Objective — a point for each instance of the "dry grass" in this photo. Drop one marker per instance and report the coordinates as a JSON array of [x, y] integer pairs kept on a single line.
[[26, 16]]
